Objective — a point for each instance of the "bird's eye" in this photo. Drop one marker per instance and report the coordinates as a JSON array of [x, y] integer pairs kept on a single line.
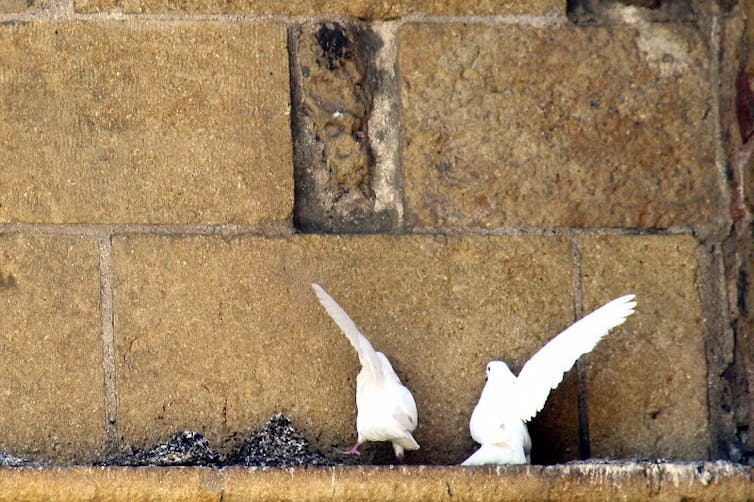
[[488, 368]]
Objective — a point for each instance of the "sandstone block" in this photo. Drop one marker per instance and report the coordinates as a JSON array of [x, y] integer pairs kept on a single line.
[[336, 80], [13, 6], [217, 335], [144, 122], [646, 383], [585, 482], [556, 126], [52, 385], [97, 484], [359, 8]]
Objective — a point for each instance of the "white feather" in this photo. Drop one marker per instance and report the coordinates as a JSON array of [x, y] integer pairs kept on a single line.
[[367, 355], [545, 370], [507, 402], [385, 409]]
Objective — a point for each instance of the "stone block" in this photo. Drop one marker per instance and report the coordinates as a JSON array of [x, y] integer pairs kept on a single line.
[[335, 81], [100, 484], [708, 481], [646, 383], [144, 122], [13, 6], [216, 335], [585, 482], [360, 8], [52, 386], [523, 126]]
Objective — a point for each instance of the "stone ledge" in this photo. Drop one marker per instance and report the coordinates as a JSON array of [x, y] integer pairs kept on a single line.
[[583, 481]]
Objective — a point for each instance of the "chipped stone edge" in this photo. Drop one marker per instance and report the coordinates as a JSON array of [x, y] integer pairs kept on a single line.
[[586, 481], [384, 131]]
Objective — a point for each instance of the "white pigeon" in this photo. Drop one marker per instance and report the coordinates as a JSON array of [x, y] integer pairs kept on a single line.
[[498, 422], [385, 409]]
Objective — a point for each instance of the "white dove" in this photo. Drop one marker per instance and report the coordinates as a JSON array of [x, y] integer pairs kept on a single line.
[[498, 422], [385, 409]]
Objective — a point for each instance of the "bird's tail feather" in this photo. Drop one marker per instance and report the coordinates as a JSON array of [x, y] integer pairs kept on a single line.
[[407, 442]]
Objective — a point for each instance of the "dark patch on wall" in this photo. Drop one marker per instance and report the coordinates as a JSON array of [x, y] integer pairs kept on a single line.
[[333, 82], [744, 105], [7, 281]]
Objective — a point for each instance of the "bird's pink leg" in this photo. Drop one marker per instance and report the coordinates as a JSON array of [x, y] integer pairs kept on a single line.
[[354, 449]]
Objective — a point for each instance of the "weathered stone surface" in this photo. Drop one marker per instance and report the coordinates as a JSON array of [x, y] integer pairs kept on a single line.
[[646, 383], [217, 335], [358, 8], [556, 126], [335, 82], [97, 484], [12, 6], [611, 11], [144, 122], [51, 358], [583, 482]]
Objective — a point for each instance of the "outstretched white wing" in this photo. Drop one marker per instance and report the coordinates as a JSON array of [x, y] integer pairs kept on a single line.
[[545, 370], [367, 355]]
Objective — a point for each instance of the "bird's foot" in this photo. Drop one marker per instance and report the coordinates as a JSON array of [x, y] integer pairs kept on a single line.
[[353, 451]]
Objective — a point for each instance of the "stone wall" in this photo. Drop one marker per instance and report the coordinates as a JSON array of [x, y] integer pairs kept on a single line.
[[465, 178]]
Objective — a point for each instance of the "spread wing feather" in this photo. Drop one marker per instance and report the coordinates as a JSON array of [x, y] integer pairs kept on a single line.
[[545, 370], [367, 355]]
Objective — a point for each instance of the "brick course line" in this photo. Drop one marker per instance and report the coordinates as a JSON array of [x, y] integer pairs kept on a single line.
[[716, 48], [66, 12], [561, 231], [285, 229], [578, 312], [276, 229], [69, 13], [108, 343], [719, 336], [719, 346]]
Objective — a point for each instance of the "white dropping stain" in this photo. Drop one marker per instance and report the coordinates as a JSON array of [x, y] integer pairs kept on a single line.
[[660, 45]]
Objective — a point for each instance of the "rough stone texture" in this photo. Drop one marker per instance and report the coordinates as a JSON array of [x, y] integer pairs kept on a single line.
[[51, 357], [646, 383], [335, 81], [144, 122], [359, 8], [96, 484], [218, 335], [9, 6], [556, 126], [611, 11], [598, 482], [578, 482], [731, 409], [585, 482]]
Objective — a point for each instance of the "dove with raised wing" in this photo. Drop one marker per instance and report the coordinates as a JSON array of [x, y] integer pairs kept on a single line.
[[385, 409], [498, 422]]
